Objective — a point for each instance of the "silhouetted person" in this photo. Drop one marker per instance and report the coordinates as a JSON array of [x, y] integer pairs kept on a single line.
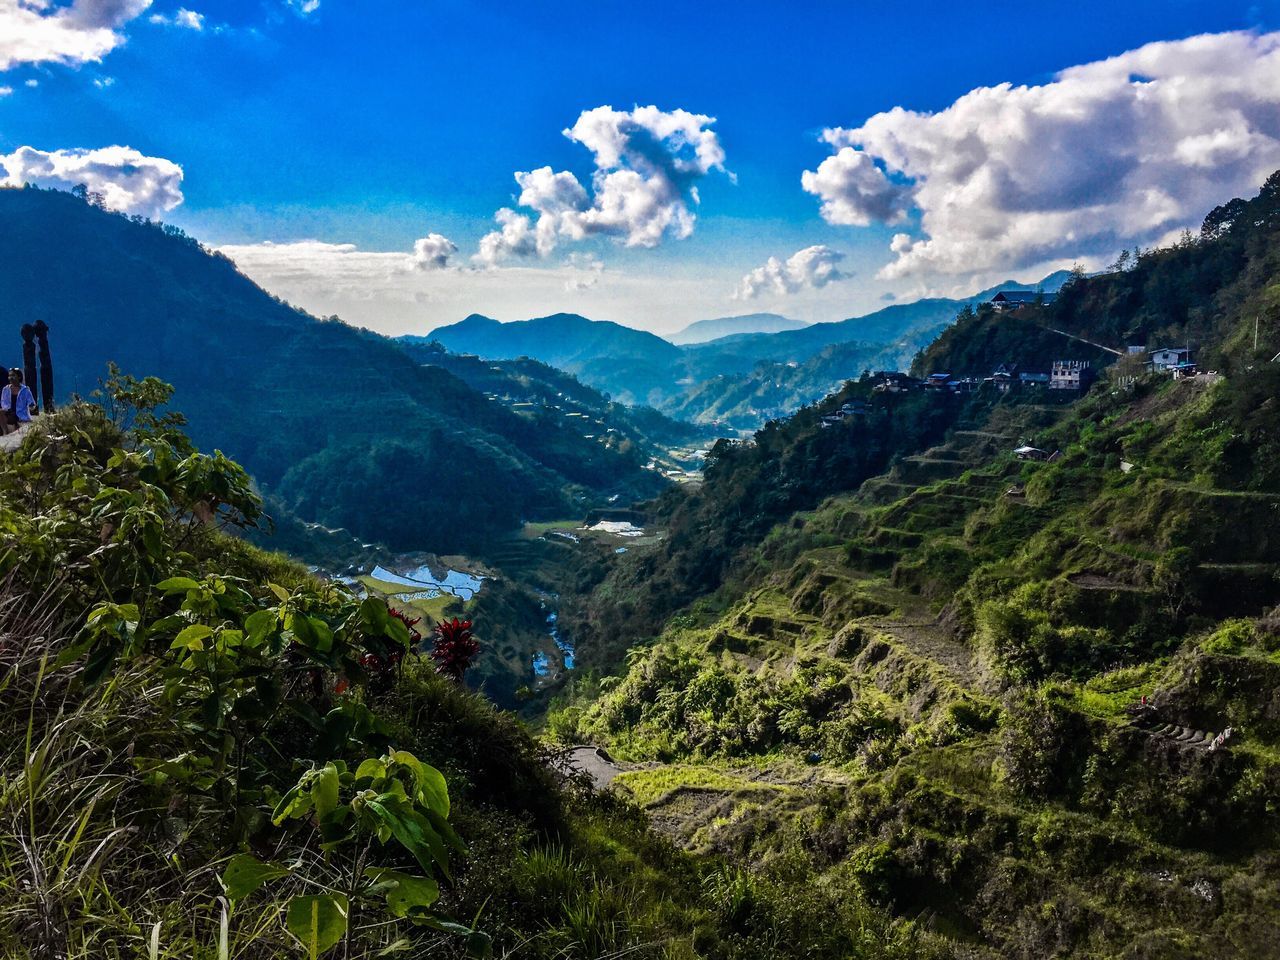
[[16, 402], [29, 354], [46, 367]]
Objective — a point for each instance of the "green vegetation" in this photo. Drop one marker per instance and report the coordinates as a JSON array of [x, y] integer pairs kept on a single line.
[[208, 753], [960, 650]]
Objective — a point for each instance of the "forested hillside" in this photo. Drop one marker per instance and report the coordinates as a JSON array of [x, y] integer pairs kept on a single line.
[[338, 424], [1027, 701]]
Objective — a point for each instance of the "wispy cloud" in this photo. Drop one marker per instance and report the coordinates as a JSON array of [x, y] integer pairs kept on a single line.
[[181, 18]]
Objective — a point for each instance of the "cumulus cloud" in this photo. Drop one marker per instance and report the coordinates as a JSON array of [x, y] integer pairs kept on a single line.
[[1126, 150], [183, 18], [432, 252], [128, 181], [34, 31], [811, 268], [648, 163], [5, 91]]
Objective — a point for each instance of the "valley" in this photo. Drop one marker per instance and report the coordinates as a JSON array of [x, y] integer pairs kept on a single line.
[[979, 659]]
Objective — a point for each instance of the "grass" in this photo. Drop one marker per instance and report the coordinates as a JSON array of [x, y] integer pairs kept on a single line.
[[540, 528], [651, 787]]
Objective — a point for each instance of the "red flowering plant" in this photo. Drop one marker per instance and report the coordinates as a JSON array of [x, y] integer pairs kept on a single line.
[[455, 648]]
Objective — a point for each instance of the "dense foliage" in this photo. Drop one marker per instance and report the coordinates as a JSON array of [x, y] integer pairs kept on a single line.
[[205, 752], [1031, 699]]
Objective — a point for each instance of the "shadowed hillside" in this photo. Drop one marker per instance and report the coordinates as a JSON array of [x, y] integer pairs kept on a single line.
[[309, 406]]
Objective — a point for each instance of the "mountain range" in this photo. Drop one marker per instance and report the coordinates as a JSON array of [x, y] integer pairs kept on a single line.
[[338, 425], [739, 379]]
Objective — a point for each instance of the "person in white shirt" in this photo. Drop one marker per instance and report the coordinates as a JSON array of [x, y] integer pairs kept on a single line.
[[16, 403]]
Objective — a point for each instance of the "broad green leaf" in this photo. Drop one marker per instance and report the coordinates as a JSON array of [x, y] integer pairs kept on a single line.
[[246, 873], [281, 593], [177, 585], [302, 631], [192, 637], [397, 631], [296, 803], [323, 634], [406, 893], [324, 791], [371, 769], [412, 830], [319, 922], [260, 625], [374, 613], [433, 792]]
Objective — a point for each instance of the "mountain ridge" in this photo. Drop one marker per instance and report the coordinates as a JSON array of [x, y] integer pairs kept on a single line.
[[720, 328], [303, 403]]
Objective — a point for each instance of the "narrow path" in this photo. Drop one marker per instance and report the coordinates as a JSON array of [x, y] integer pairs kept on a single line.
[[1072, 336]]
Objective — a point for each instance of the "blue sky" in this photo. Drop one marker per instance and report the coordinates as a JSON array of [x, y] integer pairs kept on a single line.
[[372, 125]]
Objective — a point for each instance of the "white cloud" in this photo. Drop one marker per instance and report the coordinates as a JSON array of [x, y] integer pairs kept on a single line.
[[433, 251], [103, 82], [127, 180], [811, 268], [303, 8], [33, 82], [647, 166], [184, 18], [6, 91], [34, 31], [1126, 150]]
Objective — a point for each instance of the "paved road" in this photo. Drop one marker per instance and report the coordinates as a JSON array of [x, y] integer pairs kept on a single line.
[[592, 761]]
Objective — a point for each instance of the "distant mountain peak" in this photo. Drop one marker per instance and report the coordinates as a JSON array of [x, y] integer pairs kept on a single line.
[[704, 331]]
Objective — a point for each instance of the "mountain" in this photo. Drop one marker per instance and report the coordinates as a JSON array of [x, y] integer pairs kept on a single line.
[[1010, 680], [889, 324], [702, 331], [632, 365], [336, 424], [562, 340], [739, 379]]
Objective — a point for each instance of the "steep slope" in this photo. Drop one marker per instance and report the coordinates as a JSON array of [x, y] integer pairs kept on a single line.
[[206, 752], [307, 405], [702, 331], [628, 363], [527, 381], [1035, 699]]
